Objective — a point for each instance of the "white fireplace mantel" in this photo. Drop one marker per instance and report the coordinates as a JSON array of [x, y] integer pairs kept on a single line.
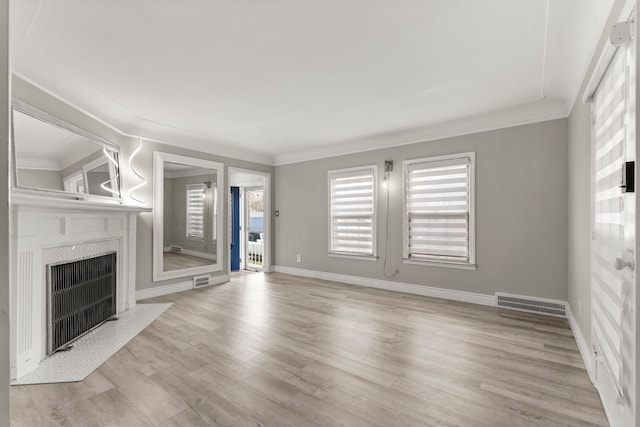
[[49, 229]]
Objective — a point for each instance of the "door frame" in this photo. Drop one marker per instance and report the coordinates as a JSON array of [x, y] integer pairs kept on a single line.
[[267, 266], [247, 225]]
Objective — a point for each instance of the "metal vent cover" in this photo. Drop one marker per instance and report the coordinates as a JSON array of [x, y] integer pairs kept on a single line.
[[201, 281], [533, 305], [81, 296], [175, 249]]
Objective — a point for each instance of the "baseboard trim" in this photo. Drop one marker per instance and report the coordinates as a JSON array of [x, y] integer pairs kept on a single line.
[[176, 287], [585, 351], [407, 288]]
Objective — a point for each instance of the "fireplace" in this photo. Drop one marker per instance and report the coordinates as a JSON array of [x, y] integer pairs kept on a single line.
[[81, 295], [53, 238]]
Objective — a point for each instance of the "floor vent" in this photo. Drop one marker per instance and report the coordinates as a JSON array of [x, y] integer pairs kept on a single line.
[[533, 305], [175, 249], [201, 281]]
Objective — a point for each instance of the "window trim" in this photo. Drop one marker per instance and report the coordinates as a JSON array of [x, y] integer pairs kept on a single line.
[[204, 208], [471, 263], [368, 257]]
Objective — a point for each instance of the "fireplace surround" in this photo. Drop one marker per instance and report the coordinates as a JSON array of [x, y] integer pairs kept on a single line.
[[46, 231]]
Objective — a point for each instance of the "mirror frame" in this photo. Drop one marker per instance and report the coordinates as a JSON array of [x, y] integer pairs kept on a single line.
[[29, 110], [159, 159]]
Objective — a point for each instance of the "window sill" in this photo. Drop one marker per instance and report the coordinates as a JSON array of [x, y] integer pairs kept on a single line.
[[360, 257], [445, 264]]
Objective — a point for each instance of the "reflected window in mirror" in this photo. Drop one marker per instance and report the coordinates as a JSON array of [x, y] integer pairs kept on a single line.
[[53, 156], [186, 212]]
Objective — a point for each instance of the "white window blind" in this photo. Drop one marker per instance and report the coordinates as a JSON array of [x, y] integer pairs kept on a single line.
[[438, 209], [195, 211], [609, 108], [352, 211]]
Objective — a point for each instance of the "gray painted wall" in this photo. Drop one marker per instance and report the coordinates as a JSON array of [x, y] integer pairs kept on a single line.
[[35, 178], [178, 216], [4, 213], [521, 213]]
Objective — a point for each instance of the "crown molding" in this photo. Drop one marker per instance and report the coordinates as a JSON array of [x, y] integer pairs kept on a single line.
[[533, 112]]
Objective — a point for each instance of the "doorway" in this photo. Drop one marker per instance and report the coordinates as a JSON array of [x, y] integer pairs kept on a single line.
[[250, 220]]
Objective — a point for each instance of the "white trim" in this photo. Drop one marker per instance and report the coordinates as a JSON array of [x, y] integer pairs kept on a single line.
[[349, 256], [445, 264], [509, 117], [585, 351], [266, 221], [471, 155], [189, 140], [608, 51], [159, 158], [176, 287], [163, 290], [407, 288]]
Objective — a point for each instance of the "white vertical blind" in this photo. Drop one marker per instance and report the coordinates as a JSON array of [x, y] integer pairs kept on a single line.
[[609, 105], [352, 211], [195, 211], [437, 197]]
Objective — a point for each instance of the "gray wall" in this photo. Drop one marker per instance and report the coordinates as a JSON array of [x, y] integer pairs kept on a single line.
[[35, 178], [579, 238], [178, 216], [167, 233], [521, 213], [4, 214]]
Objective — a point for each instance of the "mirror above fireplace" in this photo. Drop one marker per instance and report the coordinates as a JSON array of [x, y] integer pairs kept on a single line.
[[53, 157]]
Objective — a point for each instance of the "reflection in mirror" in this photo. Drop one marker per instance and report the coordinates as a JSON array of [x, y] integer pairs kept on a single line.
[[187, 214], [190, 202], [55, 156]]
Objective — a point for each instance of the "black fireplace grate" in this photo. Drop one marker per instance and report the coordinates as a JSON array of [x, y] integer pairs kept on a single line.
[[82, 295]]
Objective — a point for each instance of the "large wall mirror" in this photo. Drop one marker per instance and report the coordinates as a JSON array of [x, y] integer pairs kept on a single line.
[[55, 157], [187, 216]]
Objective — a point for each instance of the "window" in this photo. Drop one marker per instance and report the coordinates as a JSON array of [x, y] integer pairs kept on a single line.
[[195, 211], [439, 214], [352, 212]]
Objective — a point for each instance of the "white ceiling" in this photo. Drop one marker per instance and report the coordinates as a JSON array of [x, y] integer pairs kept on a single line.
[[276, 81]]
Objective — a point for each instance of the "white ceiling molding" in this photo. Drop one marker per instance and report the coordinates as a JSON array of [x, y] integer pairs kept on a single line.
[[38, 163], [267, 81], [515, 116]]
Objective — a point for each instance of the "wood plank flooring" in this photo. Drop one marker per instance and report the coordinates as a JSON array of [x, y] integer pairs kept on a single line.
[[175, 261], [279, 350]]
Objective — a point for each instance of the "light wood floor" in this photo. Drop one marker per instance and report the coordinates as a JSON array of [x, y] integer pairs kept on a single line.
[[174, 261], [278, 350]]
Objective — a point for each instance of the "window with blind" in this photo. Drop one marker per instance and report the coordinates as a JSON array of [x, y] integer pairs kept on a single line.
[[439, 210], [195, 211], [352, 212], [610, 145]]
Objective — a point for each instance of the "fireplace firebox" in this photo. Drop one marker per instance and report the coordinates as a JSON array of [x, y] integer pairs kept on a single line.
[[81, 296]]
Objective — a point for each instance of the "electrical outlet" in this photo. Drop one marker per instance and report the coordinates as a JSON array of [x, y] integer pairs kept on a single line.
[[299, 258]]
